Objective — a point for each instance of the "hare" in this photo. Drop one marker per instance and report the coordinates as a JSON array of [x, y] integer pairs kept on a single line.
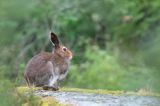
[[47, 69]]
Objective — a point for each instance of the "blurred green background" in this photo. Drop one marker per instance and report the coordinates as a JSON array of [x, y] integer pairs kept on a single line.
[[116, 43]]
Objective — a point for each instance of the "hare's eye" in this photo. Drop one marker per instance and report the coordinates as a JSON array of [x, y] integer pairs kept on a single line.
[[64, 49]]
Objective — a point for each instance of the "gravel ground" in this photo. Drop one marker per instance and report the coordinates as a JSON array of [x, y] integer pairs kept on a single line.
[[88, 99]]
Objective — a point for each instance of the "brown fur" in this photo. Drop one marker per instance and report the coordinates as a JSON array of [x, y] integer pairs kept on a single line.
[[41, 67]]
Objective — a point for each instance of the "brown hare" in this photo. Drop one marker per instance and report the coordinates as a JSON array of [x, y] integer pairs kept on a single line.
[[46, 69]]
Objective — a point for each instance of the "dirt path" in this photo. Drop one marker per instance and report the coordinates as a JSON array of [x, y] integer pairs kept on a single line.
[[88, 99]]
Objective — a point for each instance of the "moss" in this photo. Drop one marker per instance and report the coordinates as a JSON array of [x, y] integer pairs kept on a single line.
[[43, 101], [51, 101], [24, 89], [32, 100], [100, 91], [97, 91], [142, 92]]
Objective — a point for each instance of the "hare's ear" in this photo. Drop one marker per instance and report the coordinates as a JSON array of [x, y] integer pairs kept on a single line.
[[54, 39]]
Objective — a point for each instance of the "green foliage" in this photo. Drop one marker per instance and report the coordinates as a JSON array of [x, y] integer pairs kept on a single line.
[[108, 72], [115, 43]]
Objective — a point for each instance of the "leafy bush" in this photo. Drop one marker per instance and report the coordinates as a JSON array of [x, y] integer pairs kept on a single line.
[[104, 71]]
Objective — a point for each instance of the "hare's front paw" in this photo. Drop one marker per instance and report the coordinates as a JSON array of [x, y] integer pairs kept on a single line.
[[54, 88]]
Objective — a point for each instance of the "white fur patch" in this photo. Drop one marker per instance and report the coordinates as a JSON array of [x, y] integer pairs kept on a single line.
[[53, 80], [54, 77], [55, 74], [62, 76]]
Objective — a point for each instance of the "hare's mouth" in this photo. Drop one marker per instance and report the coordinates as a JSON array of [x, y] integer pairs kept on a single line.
[[70, 57]]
